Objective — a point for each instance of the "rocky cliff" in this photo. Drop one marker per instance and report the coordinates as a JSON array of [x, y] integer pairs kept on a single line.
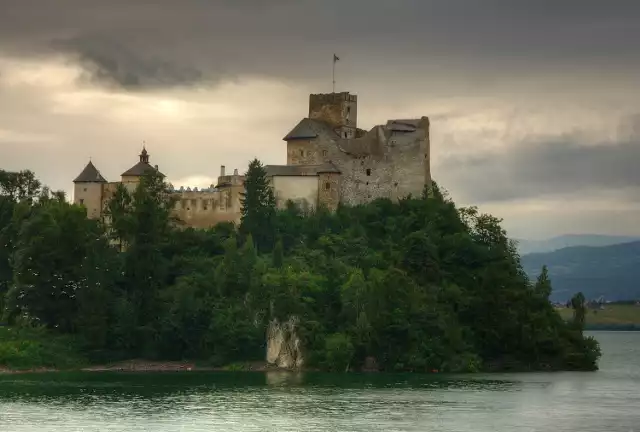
[[283, 344]]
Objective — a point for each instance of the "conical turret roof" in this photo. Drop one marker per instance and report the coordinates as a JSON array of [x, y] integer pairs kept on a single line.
[[90, 174]]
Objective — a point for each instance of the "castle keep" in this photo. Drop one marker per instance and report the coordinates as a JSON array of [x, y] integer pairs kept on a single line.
[[329, 160]]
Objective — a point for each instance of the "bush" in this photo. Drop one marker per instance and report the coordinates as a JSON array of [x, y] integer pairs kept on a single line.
[[31, 348], [338, 351]]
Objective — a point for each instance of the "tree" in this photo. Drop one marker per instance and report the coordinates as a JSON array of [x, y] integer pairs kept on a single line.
[[258, 207], [118, 217], [543, 283], [50, 264], [19, 186], [16, 189], [150, 221], [579, 310]]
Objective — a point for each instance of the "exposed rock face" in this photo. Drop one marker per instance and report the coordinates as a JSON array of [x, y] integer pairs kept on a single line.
[[283, 344]]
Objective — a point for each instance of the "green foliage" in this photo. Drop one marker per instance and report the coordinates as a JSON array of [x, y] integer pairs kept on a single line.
[[338, 351], [417, 285], [24, 348], [543, 283], [258, 207], [579, 310]]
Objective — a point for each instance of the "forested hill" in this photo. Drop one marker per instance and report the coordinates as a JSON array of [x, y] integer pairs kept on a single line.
[[609, 271], [571, 240], [416, 285]]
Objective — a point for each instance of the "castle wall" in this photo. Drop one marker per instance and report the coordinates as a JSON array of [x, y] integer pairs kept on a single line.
[[90, 196], [302, 152], [381, 164], [329, 190], [204, 209], [302, 190], [130, 182]]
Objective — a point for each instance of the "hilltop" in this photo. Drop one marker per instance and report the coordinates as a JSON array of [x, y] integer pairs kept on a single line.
[[610, 271], [570, 240]]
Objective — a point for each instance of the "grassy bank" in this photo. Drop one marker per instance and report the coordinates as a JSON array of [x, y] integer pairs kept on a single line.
[[612, 317], [34, 348]]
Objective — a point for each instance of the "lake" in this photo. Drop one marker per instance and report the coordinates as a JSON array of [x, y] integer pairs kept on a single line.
[[193, 401]]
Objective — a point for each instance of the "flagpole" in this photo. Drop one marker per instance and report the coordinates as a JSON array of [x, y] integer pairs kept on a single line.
[[334, 74]]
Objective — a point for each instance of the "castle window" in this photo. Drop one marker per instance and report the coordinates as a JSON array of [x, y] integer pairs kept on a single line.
[[324, 152], [194, 203], [85, 189], [327, 186], [368, 172], [346, 135], [81, 202], [302, 153]]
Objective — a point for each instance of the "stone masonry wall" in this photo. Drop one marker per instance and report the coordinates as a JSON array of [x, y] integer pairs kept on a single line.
[[381, 164], [301, 152], [329, 190], [203, 209]]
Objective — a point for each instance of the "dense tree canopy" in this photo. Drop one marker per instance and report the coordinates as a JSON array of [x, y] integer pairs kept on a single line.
[[414, 285]]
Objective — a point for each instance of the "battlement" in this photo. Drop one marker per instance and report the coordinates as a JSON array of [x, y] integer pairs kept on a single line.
[[195, 190], [325, 98], [340, 110]]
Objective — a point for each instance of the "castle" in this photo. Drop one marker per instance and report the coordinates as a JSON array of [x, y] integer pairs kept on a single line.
[[329, 161]]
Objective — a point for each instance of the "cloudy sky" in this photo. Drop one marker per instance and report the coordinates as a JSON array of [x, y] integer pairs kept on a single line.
[[534, 104]]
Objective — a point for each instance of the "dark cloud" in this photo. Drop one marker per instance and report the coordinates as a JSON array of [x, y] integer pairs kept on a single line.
[[188, 40], [108, 62], [568, 165]]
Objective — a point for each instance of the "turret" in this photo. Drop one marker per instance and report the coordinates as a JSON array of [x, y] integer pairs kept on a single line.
[[131, 177], [339, 110], [88, 190]]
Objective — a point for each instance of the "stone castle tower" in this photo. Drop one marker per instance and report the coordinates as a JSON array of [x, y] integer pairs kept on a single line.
[[330, 160], [388, 161]]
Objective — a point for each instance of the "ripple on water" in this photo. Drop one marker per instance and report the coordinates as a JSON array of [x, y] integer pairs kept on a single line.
[[563, 402]]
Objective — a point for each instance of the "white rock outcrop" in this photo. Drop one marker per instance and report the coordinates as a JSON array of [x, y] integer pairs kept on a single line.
[[283, 344]]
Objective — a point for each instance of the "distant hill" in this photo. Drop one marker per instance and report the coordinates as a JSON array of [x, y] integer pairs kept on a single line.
[[569, 240], [609, 271]]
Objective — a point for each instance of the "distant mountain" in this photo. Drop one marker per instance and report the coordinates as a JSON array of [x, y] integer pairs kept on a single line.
[[569, 240], [609, 271]]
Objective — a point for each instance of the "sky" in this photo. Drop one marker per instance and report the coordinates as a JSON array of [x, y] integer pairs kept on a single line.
[[534, 104]]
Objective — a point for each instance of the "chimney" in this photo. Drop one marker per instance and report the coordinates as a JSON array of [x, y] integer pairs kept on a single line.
[[221, 170], [235, 172]]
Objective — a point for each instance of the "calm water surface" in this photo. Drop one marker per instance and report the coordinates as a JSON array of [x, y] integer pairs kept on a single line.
[[608, 400]]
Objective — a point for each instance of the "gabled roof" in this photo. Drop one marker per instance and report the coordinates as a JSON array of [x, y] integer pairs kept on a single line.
[[300, 170], [308, 129], [90, 174], [138, 169]]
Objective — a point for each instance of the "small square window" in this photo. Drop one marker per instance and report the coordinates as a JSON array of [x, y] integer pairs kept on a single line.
[[85, 189]]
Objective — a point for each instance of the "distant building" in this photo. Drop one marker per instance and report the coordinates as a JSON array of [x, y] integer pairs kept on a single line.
[[329, 161]]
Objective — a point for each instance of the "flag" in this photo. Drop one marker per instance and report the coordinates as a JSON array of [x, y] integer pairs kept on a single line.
[[335, 58]]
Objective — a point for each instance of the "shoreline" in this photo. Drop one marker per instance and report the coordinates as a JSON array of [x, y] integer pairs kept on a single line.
[[153, 366]]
